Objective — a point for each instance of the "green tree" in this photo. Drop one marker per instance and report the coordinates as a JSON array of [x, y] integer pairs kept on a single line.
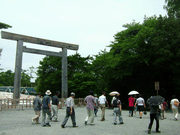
[[4, 26], [80, 79], [145, 53]]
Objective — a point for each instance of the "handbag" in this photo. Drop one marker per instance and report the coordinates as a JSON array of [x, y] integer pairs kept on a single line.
[[145, 112]]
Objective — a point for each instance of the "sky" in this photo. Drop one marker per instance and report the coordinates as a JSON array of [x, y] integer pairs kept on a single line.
[[91, 24]]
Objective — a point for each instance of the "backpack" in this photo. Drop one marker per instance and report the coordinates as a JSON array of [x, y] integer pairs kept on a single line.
[[115, 104]]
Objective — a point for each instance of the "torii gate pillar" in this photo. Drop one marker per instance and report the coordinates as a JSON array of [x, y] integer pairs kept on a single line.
[[64, 74], [18, 67]]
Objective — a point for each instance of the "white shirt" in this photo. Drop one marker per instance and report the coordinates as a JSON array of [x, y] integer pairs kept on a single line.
[[102, 99], [69, 102], [172, 103], [140, 101]]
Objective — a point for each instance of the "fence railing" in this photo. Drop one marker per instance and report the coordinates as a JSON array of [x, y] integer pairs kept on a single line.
[[21, 104]]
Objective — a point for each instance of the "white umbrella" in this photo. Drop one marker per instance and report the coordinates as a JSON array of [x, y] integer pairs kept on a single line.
[[133, 92], [113, 93]]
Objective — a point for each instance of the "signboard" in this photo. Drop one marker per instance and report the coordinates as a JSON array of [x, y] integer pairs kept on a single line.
[[156, 85]]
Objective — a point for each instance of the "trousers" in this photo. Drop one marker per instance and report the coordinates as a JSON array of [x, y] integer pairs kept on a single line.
[[175, 112], [103, 111], [55, 112], [36, 117], [117, 112], [90, 116], [68, 110], [44, 112], [152, 117]]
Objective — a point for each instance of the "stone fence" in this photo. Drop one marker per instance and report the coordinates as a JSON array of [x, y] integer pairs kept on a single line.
[[21, 104]]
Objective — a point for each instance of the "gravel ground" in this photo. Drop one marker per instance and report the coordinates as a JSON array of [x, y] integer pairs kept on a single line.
[[15, 122]]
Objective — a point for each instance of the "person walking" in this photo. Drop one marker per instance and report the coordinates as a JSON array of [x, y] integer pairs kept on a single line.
[[46, 109], [131, 105], [174, 107], [55, 106], [117, 110], [96, 106], [37, 103], [154, 114], [70, 111], [140, 105], [102, 103], [164, 110], [90, 102]]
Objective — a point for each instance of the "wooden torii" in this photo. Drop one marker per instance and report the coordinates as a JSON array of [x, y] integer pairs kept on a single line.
[[19, 53]]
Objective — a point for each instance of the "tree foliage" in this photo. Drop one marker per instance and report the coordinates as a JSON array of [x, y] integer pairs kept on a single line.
[[80, 79], [4, 26], [7, 78], [173, 8]]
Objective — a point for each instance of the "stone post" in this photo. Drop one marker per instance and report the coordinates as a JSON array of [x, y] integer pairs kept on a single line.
[[18, 66], [64, 90]]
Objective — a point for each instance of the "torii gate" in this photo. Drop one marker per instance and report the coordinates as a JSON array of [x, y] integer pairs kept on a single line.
[[20, 49]]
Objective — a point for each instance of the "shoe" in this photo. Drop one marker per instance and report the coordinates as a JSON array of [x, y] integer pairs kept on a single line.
[[92, 124], [85, 122], [121, 123], [115, 123], [48, 125], [43, 125], [62, 126], [149, 131], [55, 120], [140, 117], [102, 119], [75, 126], [158, 131], [176, 119]]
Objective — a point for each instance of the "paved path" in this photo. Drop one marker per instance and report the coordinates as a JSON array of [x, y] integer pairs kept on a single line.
[[19, 123]]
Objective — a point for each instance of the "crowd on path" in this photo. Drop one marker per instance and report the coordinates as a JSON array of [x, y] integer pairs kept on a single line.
[[93, 104]]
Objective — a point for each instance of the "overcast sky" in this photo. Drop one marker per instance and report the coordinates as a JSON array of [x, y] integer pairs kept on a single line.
[[89, 23]]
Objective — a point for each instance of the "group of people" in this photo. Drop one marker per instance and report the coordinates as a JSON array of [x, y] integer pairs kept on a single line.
[[92, 105], [156, 111]]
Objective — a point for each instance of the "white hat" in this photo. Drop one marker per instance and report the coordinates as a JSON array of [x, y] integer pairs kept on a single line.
[[48, 92], [72, 94]]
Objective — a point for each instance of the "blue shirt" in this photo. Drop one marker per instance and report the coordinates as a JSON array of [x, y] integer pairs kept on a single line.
[[45, 102]]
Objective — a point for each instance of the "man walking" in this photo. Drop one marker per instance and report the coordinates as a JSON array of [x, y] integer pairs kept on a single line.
[[90, 101], [102, 101], [46, 109], [117, 110], [70, 111], [174, 107], [37, 103], [154, 114], [55, 106]]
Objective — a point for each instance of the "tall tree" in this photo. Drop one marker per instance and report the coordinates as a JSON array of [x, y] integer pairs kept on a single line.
[[173, 8], [80, 79]]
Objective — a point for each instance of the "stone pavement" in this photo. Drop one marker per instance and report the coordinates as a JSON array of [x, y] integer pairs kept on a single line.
[[19, 123]]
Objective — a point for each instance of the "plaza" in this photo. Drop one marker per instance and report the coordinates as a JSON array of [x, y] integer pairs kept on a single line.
[[15, 122]]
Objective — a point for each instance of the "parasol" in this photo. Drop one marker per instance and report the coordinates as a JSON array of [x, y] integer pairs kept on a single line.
[[133, 92], [113, 93]]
